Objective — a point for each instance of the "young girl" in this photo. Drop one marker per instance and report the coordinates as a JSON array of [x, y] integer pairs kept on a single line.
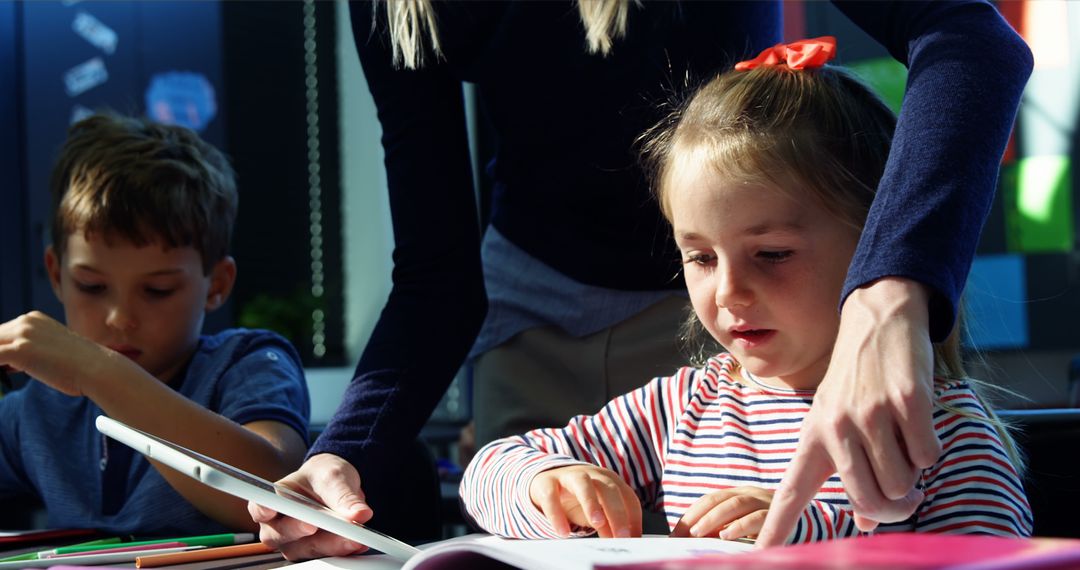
[[766, 177]]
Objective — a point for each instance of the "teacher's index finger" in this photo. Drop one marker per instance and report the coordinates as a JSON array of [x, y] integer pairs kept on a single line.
[[808, 471]]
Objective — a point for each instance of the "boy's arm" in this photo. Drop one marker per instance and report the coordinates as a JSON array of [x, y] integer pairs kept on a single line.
[[269, 449], [52, 354], [629, 436]]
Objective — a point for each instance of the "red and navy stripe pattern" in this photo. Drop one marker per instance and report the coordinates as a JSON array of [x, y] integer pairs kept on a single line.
[[703, 430]]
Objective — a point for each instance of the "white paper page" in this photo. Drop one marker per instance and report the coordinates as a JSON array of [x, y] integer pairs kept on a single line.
[[374, 562]]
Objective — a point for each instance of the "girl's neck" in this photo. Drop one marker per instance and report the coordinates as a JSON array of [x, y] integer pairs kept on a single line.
[[777, 383]]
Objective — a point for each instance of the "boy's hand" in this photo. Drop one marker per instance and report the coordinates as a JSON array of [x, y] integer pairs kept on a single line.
[[729, 514], [51, 353], [587, 496], [331, 481]]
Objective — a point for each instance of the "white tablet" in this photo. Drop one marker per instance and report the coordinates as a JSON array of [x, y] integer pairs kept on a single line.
[[233, 481]]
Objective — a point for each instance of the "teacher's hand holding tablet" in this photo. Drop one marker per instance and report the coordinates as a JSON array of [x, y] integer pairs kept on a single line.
[[330, 480]]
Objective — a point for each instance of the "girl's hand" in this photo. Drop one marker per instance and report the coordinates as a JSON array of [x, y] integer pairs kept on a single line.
[[587, 496], [51, 353], [729, 514]]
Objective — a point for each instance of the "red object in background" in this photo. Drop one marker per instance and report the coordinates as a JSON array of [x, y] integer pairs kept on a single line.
[[1013, 12]]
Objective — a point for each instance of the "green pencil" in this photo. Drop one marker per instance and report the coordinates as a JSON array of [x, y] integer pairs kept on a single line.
[[205, 540], [34, 555]]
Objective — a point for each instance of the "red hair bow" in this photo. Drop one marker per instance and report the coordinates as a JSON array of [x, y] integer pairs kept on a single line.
[[803, 54]]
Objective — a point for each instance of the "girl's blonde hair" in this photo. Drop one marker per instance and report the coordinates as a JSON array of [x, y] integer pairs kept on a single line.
[[820, 131], [412, 24]]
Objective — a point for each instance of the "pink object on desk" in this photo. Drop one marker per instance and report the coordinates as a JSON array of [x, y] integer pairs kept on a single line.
[[892, 551], [85, 568]]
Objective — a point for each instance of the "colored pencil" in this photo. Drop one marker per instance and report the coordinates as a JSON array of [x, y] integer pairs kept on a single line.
[[89, 558], [203, 555], [121, 548], [224, 539], [34, 555]]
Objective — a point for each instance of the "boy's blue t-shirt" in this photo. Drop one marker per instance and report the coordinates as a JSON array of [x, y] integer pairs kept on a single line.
[[49, 446]]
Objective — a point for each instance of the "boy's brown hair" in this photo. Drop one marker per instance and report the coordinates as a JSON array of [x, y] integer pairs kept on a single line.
[[145, 182]]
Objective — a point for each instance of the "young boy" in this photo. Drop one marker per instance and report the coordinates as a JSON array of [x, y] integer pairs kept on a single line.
[[142, 215]]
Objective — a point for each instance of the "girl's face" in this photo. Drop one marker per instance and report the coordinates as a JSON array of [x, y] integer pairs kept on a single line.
[[764, 268]]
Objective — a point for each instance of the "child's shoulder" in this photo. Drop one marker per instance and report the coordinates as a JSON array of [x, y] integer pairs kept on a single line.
[[958, 397], [949, 389], [241, 341], [240, 361], [244, 350]]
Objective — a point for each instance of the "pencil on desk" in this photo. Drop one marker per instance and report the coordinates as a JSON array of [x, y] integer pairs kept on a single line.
[[203, 555], [119, 548]]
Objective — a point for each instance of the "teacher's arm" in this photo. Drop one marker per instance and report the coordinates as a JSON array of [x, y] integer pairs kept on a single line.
[[871, 420]]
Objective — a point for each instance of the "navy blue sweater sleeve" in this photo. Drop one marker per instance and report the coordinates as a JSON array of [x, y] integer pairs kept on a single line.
[[437, 301], [967, 70]]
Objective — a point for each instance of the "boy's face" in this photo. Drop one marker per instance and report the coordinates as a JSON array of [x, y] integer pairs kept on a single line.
[[146, 303], [764, 269]]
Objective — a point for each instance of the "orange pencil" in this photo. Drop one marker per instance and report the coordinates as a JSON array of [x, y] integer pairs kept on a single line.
[[203, 555]]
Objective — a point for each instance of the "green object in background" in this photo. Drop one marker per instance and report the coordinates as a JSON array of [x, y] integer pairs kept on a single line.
[[886, 75], [1038, 204], [291, 316]]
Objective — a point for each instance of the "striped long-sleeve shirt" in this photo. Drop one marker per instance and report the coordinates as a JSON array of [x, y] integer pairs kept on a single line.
[[703, 430]]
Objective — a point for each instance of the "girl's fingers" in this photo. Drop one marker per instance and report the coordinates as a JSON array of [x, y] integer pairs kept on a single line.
[[633, 509], [581, 487], [588, 497], [611, 498], [734, 507], [697, 510], [749, 525], [546, 496]]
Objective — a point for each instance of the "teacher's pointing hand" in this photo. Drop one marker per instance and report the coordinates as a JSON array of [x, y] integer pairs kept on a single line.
[[871, 420]]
